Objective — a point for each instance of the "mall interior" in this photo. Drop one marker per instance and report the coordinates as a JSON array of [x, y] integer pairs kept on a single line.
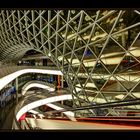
[[69, 69]]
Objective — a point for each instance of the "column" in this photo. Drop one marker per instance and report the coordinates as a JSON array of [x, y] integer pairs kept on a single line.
[[17, 90], [62, 81], [58, 82], [62, 86]]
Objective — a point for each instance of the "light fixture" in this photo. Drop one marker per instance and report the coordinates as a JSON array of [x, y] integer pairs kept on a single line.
[[49, 54], [73, 11]]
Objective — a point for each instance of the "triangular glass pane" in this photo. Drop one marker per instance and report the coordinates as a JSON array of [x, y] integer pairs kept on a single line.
[[75, 69], [98, 34], [37, 25], [38, 38], [86, 34], [36, 13], [130, 96], [53, 23], [59, 53], [73, 13], [90, 86], [53, 51], [96, 48], [81, 73], [128, 80], [70, 34], [52, 45], [82, 80], [124, 21], [45, 31], [74, 61], [112, 55], [44, 38], [65, 61], [83, 95], [61, 47], [104, 13], [10, 21], [76, 83], [107, 23], [53, 39], [22, 24], [80, 83], [90, 95], [126, 38], [24, 33], [67, 56], [60, 39], [99, 81], [65, 70], [62, 22], [136, 92], [71, 43], [44, 49], [36, 30], [79, 53], [75, 23], [91, 13], [134, 49], [99, 99], [21, 13], [136, 88], [30, 30], [82, 68], [99, 74], [79, 42], [29, 16], [111, 96], [52, 31], [100, 69], [71, 74], [64, 14], [44, 16], [89, 18], [127, 65], [15, 16], [112, 85], [89, 60], [53, 13], [6, 24], [67, 48]]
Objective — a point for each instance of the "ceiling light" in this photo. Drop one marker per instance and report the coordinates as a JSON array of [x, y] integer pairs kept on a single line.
[[73, 11], [49, 54]]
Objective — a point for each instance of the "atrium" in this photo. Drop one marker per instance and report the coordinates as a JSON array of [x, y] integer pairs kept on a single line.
[[68, 65]]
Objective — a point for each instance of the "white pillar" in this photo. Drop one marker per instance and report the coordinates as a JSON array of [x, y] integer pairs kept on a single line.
[[17, 90]]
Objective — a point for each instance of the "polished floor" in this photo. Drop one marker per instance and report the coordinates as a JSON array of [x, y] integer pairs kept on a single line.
[[69, 125]]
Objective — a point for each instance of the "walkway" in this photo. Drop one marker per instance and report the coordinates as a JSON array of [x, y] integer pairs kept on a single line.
[[69, 125]]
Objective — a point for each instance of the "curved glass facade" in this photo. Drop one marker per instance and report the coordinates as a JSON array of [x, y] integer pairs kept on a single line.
[[98, 51]]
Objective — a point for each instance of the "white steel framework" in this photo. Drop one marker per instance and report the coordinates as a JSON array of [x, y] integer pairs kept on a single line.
[[98, 51]]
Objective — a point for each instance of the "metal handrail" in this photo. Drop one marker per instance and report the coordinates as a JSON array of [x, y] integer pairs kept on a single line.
[[16, 124], [105, 105]]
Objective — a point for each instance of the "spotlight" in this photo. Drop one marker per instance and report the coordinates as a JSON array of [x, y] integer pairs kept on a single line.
[[49, 54]]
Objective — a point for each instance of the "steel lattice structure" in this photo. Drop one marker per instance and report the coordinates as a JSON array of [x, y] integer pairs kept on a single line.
[[98, 51]]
